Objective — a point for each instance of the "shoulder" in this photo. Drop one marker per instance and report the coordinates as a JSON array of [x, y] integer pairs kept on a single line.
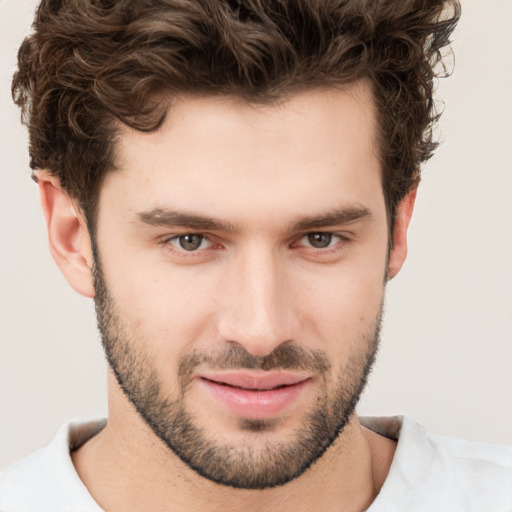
[[46, 480], [481, 473], [442, 473]]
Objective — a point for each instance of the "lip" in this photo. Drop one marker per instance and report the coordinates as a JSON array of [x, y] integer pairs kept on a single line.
[[255, 394], [258, 380]]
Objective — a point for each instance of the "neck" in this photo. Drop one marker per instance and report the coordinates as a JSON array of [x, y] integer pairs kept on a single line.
[[126, 467]]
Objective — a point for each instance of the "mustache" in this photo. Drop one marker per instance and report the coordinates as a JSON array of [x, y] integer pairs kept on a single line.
[[284, 357]]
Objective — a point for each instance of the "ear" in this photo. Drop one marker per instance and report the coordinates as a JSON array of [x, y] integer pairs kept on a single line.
[[68, 235], [402, 219]]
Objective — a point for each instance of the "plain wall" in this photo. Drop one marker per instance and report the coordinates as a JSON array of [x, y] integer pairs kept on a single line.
[[446, 354]]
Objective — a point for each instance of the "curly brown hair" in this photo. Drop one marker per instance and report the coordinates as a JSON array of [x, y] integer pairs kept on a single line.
[[91, 63]]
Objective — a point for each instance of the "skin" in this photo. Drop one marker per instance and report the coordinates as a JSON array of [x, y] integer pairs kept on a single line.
[[263, 169]]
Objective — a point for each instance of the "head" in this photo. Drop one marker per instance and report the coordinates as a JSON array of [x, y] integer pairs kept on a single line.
[[110, 63], [233, 182]]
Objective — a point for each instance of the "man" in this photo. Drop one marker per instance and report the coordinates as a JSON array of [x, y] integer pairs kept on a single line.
[[232, 182]]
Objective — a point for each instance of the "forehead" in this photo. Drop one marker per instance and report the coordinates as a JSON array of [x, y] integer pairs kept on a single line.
[[225, 155], [309, 114]]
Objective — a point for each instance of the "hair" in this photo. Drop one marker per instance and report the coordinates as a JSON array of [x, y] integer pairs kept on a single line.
[[90, 64]]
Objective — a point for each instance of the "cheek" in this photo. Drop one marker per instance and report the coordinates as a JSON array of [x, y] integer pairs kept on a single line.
[[167, 309], [342, 307], [347, 302]]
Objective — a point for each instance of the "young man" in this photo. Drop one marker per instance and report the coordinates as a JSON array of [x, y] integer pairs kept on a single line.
[[232, 182]]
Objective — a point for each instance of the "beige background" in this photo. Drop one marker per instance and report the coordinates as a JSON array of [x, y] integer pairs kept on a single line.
[[447, 344]]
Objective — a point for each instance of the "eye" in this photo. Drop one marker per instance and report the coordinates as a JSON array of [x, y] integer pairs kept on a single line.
[[189, 242], [320, 240]]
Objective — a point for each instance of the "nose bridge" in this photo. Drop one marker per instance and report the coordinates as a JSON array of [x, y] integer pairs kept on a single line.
[[257, 311]]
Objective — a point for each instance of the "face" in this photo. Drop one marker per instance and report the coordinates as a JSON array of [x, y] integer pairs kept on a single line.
[[241, 260]]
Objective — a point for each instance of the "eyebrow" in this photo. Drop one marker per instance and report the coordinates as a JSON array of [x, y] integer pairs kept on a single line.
[[165, 217], [332, 218], [172, 218]]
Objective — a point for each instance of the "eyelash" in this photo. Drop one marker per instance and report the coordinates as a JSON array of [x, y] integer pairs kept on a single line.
[[167, 242], [323, 250]]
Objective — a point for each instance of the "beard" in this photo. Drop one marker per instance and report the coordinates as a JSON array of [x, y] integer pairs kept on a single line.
[[242, 465]]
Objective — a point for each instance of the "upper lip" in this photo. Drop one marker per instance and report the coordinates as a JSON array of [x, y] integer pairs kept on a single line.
[[262, 380]]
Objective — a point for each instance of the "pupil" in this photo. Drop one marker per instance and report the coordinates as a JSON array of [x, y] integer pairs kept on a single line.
[[190, 242], [320, 240]]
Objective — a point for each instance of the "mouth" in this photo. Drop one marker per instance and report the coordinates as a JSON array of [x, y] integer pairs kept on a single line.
[[255, 394]]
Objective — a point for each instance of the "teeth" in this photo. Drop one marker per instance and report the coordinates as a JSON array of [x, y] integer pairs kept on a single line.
[[246, 389]]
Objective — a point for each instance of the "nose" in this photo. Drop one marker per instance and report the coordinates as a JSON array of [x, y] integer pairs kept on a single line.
[[257, 300]]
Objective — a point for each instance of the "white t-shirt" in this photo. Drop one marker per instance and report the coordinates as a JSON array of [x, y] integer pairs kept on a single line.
[[428, 473]]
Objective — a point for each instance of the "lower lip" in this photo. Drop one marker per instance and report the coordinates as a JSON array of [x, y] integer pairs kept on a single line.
[[255, 404]]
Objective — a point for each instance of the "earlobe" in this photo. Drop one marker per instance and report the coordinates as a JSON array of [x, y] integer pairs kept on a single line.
[[67, 235], [403, 217]]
